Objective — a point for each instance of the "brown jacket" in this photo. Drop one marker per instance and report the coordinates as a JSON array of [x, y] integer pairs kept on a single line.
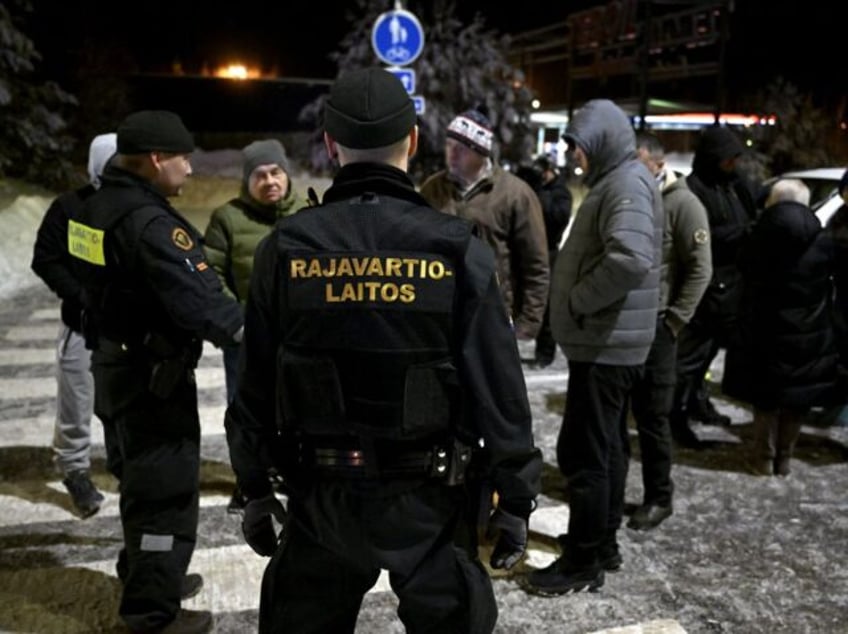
[[509, 217]]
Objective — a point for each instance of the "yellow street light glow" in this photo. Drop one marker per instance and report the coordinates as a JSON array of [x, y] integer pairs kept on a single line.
[[237, 71]]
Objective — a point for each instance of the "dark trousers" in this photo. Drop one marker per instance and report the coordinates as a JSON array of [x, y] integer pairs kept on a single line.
[[153, 448], [545, 344], [715, 325], [231, 360], [651, 403], [697, 346], [337, 540], [592, 452]]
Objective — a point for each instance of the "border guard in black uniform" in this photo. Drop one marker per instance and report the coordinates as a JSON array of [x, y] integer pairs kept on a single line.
[[378, 352], [151, 300]]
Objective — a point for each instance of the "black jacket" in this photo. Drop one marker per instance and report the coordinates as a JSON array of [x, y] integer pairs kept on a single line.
[[51, 260], [556, 208], [155, 278], [785, 319], [298, 305]]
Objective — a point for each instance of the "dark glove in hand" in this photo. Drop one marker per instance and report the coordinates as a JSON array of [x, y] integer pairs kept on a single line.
[[258, 527], [511, 532]]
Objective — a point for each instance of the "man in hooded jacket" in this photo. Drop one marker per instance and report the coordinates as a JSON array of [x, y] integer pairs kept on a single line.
[[604, 300], [75, 396], [731, 209]]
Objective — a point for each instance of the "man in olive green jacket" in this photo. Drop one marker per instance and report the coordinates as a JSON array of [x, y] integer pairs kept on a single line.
[[236, 228]]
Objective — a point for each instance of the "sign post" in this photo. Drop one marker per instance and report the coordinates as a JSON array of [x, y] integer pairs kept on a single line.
[[398, 39]]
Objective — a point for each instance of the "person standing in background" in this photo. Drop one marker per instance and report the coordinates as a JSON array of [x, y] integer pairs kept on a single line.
[[788, 348], [731, 208], [604, 300], [556, 201], [837, 227], [506, 211], [684, 274], [235, 228], [267, 194], [75, 395]]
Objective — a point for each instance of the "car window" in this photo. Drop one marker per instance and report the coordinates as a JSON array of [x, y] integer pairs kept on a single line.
[[820, 191]]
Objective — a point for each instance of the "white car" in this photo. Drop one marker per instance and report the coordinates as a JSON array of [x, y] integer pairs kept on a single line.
[[823, 183]]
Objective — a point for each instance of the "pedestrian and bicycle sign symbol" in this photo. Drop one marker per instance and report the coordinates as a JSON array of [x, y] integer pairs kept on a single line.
[[397, 37], [406, 76]]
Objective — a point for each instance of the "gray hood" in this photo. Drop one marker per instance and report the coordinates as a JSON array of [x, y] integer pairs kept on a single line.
[[604, 133]]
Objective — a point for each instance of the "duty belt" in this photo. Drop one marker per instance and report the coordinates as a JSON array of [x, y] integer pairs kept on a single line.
[[110, 346], [439, 462]]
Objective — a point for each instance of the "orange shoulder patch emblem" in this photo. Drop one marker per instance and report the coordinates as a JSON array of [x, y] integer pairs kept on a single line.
[[180, 237]]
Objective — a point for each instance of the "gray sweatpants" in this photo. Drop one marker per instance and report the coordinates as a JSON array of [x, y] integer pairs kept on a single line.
[[74, 402]]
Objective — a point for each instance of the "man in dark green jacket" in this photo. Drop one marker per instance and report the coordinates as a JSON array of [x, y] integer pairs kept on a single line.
[[235, 229]]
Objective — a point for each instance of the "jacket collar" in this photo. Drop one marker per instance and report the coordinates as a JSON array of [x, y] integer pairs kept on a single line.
[[355, 179], [117, 177]]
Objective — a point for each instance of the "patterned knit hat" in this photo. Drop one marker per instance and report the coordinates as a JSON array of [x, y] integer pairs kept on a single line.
[[472, 128]]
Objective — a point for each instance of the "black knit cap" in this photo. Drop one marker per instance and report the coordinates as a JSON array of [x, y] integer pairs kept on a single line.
[[368, 108], [720, 143], [154, 131]]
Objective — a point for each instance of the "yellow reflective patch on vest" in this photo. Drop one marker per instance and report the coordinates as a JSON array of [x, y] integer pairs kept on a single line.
[[86, 243]]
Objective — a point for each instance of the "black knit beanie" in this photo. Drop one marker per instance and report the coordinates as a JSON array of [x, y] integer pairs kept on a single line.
[[265, 152], [154, 131], [720, 143], [368, 108]]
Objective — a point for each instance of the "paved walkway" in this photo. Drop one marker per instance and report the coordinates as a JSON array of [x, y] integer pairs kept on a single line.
[[741, 554]]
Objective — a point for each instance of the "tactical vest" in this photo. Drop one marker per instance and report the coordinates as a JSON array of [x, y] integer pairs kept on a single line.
[[116, 308], [367, 315]]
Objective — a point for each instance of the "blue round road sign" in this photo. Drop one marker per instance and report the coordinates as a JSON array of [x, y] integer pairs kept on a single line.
[[397, 37]]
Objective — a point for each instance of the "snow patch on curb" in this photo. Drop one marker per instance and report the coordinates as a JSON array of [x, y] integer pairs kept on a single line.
[[19, 222]]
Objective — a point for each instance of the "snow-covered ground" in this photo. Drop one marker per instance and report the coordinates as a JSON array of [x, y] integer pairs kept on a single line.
[[21, 214], [18, 225]]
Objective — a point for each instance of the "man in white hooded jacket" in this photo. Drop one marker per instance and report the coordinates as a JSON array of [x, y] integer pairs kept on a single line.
[[75, 394]]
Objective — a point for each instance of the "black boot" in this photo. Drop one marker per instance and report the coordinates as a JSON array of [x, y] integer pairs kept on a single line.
[[788, 431], [576, 570], [704, 411], [682, 434], [85, 496], [761, 455]]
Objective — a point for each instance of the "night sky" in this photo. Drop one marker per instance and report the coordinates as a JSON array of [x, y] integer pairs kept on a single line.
[[797, 40]]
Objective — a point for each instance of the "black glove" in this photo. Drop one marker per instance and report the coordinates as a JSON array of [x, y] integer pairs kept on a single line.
[[258, 527], [511, 531]]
